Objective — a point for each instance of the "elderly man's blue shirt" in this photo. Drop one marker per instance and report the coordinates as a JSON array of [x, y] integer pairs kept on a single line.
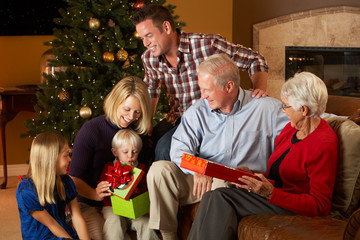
[[245, 137]]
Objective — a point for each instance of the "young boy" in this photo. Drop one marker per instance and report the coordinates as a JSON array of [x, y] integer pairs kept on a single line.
[[126, 146]]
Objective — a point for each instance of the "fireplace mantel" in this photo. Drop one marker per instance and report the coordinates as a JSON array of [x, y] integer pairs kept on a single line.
[[327, 27]]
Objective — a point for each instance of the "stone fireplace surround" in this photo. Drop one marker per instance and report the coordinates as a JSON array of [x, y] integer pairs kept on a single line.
[[326, 27]]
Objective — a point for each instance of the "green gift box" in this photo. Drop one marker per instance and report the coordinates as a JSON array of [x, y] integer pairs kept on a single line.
[[132, 208]]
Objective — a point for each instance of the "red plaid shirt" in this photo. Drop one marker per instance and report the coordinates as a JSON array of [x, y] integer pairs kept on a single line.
[[181, 82]]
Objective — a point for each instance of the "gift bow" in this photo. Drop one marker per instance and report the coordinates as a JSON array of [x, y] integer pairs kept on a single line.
[[118, 174]]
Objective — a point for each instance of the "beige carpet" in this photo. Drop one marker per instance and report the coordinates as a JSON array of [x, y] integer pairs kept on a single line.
[[9, 215]]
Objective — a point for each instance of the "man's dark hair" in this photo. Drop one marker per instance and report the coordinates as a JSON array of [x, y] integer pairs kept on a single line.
[[157, 13]]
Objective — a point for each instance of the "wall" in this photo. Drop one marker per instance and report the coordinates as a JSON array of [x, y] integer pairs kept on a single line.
[[20, 56], [206, 16], [247, 13], [19, 65]]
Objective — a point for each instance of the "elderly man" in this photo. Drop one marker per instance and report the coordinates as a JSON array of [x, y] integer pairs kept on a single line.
[[226, 126]]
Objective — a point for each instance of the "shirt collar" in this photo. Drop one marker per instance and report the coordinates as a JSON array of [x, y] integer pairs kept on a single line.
[[184, 45], [237, 105]]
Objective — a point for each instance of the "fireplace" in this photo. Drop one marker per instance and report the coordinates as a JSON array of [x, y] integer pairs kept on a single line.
[[334, 27], [338, 67]]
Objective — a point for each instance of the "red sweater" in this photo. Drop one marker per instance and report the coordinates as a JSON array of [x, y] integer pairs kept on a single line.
[[307, 172]]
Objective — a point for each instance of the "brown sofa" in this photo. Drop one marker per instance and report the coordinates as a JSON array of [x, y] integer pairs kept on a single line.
[[343, 222]]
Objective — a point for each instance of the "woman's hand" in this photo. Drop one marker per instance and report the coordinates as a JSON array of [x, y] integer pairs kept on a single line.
[[101, 190], [261, 187]]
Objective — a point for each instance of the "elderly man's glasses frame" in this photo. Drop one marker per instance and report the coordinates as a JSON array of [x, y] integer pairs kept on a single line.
[[285, 106]]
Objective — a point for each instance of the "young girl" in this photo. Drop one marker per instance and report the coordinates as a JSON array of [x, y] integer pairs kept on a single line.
[[43, 195], [126, 146]]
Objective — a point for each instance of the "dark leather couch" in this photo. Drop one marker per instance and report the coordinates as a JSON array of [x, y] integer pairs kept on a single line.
[[343, 222]]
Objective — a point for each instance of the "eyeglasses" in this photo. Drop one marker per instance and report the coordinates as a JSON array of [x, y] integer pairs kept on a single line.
[[285, 107]]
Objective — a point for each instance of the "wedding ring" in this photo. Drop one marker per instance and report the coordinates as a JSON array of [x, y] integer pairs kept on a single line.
[[249, 190]]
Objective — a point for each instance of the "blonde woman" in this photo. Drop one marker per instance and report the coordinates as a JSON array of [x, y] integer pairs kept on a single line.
[[126, 106], [43, 195]]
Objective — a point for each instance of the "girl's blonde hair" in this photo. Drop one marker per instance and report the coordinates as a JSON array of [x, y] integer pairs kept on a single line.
[[129, 86], [44, 152], [127, 136]]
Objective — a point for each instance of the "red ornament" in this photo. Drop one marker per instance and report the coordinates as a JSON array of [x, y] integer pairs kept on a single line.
[[139, 5]]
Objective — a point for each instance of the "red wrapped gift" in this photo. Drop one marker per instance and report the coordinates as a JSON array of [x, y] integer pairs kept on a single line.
[[212, 169]]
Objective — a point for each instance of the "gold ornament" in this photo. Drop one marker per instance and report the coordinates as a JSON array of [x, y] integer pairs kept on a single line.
[[122, 55], [108, 57], [94, 23], [85, 112], [126, 64], [136, 35], [64, 96], [133, 57]]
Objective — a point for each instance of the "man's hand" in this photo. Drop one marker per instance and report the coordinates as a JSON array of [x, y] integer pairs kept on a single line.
[[202, 184], [258, 93]]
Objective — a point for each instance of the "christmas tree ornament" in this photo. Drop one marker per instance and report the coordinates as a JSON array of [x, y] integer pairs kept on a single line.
[[111, 23], [85, 112], [94, 23], [137, 36], [133, 57], [108, 57], [126, 64], [139, 5], [46, 67], [64, 96], [122, 55]]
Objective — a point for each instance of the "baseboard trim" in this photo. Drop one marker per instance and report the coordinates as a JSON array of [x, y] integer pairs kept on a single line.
[[14, 169]]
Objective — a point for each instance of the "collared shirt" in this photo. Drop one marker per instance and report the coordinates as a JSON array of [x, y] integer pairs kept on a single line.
[[245, 137], [181, 82]]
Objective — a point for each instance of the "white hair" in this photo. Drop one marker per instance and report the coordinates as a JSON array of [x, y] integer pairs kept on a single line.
[[222, 68], [306, 89]]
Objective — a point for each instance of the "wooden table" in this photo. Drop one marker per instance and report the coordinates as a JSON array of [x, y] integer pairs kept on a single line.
[[13, 101]]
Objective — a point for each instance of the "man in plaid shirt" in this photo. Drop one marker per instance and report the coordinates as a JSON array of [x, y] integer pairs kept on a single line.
[[172, 59]]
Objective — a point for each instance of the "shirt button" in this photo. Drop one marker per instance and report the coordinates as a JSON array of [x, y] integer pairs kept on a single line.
[[227, 151]]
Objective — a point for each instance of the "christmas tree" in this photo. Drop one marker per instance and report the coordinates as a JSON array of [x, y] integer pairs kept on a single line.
[[95, 46]]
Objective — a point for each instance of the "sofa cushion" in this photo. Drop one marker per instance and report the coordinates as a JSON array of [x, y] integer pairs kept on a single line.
[[346, 194]]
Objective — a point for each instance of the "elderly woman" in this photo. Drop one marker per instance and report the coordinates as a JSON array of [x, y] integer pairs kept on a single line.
[[302, 167], [126, 106]]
